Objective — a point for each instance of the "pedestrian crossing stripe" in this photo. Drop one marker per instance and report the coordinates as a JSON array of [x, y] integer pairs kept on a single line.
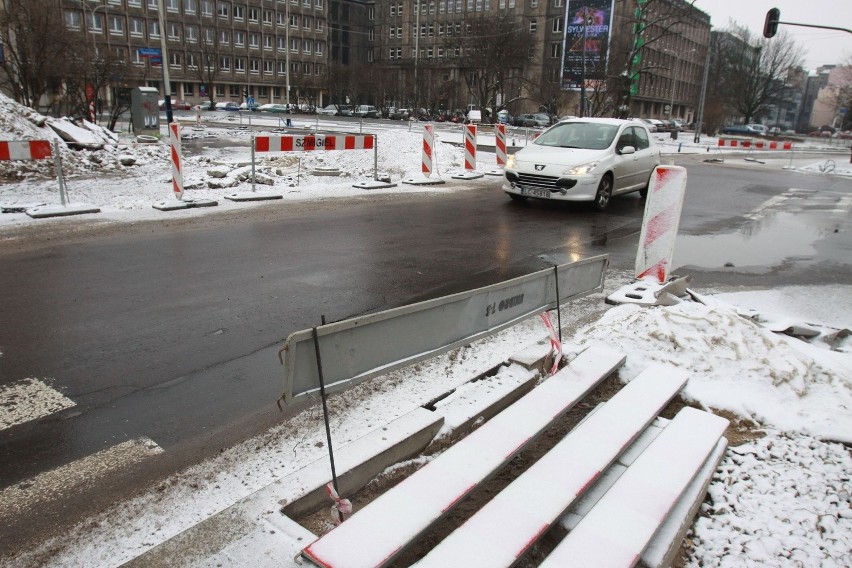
[[27, 400], [87, 472]]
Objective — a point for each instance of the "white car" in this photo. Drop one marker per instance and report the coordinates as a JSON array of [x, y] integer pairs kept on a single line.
[[584, 159]]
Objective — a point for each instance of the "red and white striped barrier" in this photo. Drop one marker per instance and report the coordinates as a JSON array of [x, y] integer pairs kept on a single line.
[[25, 150], [309, 143], [177, 158], [659, 225], [757, 144], [500, 144], [469, 147], [428, 146]]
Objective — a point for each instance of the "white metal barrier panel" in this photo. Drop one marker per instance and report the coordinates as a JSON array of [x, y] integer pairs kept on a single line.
[[470, 147], [177, 170], [363, 347], [756, 144], [309, 143], [428, 145], [500, 144], [659, 226]]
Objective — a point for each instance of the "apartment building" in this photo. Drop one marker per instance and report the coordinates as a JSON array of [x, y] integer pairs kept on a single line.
[[258, 47]]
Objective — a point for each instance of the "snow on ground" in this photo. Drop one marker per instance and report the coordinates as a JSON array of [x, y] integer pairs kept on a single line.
[[781, 500]]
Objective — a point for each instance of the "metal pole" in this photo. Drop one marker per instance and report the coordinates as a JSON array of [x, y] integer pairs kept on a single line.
[[287, 55], [325, 412], [167, 89], [252, 161], [558, 307], [417, 5], [583, 73], [58, 162], [701, 100], [375, 158]]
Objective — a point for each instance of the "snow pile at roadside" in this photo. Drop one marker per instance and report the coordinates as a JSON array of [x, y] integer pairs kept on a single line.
[[778, 501], [105, 154], [736, 365]]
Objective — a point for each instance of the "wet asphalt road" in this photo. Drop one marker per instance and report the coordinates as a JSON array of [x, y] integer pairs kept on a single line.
[[174, 335]]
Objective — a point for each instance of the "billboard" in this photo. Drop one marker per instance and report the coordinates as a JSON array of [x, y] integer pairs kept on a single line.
[[587, 32]]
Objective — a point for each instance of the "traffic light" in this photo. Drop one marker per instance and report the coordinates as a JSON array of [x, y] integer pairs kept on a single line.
[[770, 27]]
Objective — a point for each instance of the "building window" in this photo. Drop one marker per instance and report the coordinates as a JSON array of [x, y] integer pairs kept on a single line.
[[223, 9], [239, 12], [239, 64], [267, 42], [279, 44], [557, 25], [319, 26], [175, 59], [294, 21], [153, 29], [239, 39], [188, 89], [191, 62], [189, 7], [282, 67], [206, 7], [306, 46], [268, 67], [294, 45], [191, 33], [371, 34], [556, 50], [234, 91], [371, 13], [136, 3], [533, 26], [253, 14], [95, 23], [254, 40], [172, 5], [319, 47], [220, 90], [138, 59], [318, 4], [152, 5], [306, 23], [73, 20], [224, 37], [370, 56], [268, 17], [225, 63], [533, 3], [174, 32], [263, 92], [136, 27]]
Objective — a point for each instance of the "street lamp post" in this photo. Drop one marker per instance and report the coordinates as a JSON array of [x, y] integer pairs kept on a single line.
[[674, 78], [700, 118]]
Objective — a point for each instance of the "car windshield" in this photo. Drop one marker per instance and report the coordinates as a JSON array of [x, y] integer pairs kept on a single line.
[[585, 135]]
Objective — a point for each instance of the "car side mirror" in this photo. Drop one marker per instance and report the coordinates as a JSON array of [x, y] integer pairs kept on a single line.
[[627, 150]]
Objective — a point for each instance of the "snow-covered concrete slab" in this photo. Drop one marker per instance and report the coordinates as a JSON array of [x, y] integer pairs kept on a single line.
[[175, 205], [476, 402], [467, 175], [275, 543], [514, 519], [423, 181], [20, 207], [356, 463], [532, 355], [253, 196], [373, 184], [622, 524], [377, 533], [61, 210]]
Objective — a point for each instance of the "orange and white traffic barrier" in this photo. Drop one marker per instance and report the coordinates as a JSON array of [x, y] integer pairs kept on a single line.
[[659, 226], [315, 142], [470, 147], [428, 149], [500, 144], [177, 159], [312, 142], [25, 150], [756, 144]]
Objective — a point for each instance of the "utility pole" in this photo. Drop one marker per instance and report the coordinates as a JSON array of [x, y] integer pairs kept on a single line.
[[583, 73], [167, 89]]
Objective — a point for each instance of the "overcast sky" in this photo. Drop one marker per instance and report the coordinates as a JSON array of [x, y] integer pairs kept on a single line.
[[823, 46]]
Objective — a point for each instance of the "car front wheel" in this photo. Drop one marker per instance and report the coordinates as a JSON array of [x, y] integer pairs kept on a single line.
[[604, 194]]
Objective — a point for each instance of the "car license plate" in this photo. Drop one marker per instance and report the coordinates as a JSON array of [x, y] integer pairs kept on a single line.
[[533, 192]]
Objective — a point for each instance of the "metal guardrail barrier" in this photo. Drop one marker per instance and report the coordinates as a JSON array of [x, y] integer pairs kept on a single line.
[[357, 349]]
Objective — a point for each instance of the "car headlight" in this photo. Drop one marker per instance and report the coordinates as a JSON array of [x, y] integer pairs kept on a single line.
[[581, 170], [510, 161]]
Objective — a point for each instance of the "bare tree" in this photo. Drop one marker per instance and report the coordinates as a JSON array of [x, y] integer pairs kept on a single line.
[[493, 50], [651, 22], [204, 59], [756, 70], [36, 44]]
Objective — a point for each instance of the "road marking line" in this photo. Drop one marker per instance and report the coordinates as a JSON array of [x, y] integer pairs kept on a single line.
[[71, 478], [758, 212], [29, 399]]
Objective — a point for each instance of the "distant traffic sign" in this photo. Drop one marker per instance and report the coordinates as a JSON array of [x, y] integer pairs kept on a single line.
[[149, 52], [155, 60]]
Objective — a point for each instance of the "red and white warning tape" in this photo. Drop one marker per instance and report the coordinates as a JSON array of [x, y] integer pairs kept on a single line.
[[554, 342], [758, 144], [310, 143], [341, 507], [25, 150]]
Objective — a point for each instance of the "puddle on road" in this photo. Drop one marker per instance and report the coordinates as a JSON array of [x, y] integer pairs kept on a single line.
[[765, 242]]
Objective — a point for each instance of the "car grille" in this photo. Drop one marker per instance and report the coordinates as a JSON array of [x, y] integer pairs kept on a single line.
[[532, 180]]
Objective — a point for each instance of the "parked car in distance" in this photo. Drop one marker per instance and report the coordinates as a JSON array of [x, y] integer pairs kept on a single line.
[[366, 111], [176, 105], [398, 113], [651, 126], [230, 106], [739, 129], [474, 116], [273, 107], [584, 159], [205, 105], [503, 117], [335, 110], [758, 129], [534, 120], [246, 106]]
